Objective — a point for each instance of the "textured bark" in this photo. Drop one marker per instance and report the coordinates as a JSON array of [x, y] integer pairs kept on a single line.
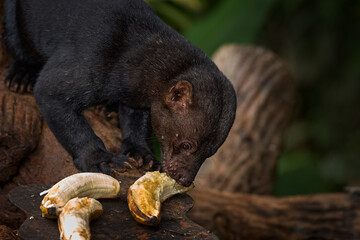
[[246, 216], [49, 163], [10, 215], [246, 162], [7, 233], [20, 127]]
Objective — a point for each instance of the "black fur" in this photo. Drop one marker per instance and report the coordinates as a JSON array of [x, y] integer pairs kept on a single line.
[[88, 52]]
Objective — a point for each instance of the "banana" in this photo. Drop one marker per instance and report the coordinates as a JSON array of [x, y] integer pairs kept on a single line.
[[94, 185], [74, 220], [148, 192]]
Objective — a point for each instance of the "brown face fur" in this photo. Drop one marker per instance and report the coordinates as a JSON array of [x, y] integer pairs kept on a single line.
[[185, 132]]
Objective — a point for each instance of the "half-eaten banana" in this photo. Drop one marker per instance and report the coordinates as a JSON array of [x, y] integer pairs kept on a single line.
[[93, 185], [74, 220], [148, 192]]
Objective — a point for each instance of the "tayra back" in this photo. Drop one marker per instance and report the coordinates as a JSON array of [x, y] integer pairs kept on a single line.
[[77, 54]]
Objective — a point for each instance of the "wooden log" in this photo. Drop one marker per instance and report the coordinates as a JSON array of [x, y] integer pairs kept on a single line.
[[20, 127], [247, 216], [116, 222], [246, 162], [7, 233]]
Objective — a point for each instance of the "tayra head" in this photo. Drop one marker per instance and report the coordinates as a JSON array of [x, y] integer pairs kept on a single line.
[[191, 118]]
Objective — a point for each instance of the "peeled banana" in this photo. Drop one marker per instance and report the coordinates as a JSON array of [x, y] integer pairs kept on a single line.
[[93, 185], [74, 220], [148, 192]]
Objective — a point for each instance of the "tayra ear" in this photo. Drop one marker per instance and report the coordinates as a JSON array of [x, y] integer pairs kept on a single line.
[[179, 97]]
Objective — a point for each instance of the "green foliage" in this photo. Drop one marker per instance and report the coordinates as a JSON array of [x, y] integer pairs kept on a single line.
[[299, 173], [232, 21], [180, 14], [210, 24], [319, 41]]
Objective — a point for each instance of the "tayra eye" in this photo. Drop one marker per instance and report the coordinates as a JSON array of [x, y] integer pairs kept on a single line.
[[186, 146]]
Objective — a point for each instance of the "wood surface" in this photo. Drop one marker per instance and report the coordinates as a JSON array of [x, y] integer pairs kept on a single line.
[[116, 221], [250, 216]]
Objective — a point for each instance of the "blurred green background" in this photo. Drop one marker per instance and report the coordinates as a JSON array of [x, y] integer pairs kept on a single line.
[[320, 43]]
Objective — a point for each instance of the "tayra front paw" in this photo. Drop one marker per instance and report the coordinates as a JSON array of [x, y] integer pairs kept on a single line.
[[142, 166], [144, 159], [102, 162], [21, 77]]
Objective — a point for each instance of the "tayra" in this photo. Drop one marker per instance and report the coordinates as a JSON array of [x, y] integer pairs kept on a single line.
[[81, 53]]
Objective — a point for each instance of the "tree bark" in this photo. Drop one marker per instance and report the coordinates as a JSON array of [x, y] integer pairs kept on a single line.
[[246, 216], [7, 233], [20, 128], [246, 162]]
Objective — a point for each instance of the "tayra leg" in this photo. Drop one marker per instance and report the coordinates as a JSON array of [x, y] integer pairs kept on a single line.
[[136, 130], [62, 96]]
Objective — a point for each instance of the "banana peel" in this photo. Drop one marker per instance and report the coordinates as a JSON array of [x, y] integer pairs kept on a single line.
[[92, 185], [74, 220], [147, 194]]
